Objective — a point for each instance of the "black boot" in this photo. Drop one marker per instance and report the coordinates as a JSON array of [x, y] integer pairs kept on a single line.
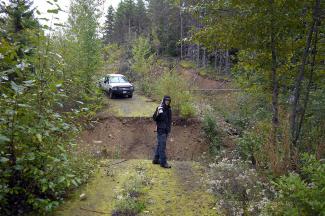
[[166, 165], [155, 161]]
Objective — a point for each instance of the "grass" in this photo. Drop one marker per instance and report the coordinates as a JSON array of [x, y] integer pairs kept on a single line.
[[186, 64], [212, 73], [130, 196], [138, 186]]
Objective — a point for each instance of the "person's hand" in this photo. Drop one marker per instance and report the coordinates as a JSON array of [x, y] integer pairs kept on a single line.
[[160, 110]]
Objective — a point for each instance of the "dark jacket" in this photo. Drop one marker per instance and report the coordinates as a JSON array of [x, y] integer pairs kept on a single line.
[[164, 117]]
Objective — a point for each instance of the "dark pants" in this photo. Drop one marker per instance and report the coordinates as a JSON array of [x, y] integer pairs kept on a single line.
[[160, 154]]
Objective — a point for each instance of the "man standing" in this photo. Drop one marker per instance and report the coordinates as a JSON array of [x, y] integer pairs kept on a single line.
[[163, 118]]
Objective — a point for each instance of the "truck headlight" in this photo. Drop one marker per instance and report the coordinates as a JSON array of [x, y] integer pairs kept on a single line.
[[132, 88], [115, 88]]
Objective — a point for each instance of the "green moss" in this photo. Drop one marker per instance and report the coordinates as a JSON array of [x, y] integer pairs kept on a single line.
[[100, 191], [165, 193], [186, 64], [168, 195], [203, 72]]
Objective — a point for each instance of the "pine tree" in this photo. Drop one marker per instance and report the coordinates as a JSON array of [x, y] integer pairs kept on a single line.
[[109, 26], [164, 16], [19, 26], [142, 20], [125, 23], [20, 15]]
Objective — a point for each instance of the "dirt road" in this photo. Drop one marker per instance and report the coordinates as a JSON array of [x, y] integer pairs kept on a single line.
[[125, 130]]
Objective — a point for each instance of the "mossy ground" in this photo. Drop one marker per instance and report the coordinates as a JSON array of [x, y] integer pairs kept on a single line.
[[176, 191]]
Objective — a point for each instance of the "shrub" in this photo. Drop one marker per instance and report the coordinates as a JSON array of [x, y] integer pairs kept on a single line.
[[170, 83], [129, 199], [187, 110], [186, 64], [145, 86], [143, 58], [251, 144], [128, 207], [212, 133], [238, 188], [301, 194], [203, 72], [113, 53]]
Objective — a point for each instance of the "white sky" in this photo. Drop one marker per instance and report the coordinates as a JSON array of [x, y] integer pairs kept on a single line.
[[61, 17]]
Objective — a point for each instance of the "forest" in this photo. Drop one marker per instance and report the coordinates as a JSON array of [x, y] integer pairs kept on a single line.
[[270, 51]]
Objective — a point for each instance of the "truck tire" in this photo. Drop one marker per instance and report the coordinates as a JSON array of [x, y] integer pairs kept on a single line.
[[111, 94]]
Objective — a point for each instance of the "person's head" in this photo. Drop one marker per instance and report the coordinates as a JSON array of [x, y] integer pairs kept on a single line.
[[167, 100]]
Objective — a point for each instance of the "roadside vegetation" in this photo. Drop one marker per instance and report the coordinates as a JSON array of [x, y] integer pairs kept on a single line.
[[266, 141], [130, 199], [277, 118], [47, 95]]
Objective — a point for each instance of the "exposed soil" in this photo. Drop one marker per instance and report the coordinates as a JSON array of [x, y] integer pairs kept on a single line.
[[135, 138], [203, 83], [174, 192], [125, 130]]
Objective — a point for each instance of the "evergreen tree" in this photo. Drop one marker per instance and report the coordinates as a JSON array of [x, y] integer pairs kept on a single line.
[[142, 20], [125, 23], [109, 26], [20, 26], [164, 16]]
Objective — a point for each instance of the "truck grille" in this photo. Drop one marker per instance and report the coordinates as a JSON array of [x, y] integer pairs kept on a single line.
[[124, 88]]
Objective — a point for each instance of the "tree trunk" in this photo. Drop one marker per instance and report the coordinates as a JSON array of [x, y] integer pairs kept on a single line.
[[220, 61], [227, 62], [129, 30], [275, 92], [181, 17], [215, 60], [204, 58], [314, 53], [198, 56], [275, 84], [300, 76]]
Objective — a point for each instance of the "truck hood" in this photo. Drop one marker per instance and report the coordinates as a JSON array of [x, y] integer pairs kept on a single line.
[[121, 84]]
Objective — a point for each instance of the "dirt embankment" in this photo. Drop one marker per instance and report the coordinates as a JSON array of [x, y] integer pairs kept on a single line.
[[200, 82], [135, 138]]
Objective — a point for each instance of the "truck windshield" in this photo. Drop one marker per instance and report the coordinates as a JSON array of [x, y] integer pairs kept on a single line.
[[118, 79]]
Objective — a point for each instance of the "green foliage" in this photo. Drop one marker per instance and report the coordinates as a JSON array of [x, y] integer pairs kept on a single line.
[[81, 47], [170, 83], [143, 58], [128, 207], [186, 64], [146, 86], [186, 110], [313, 132], [301, 194], [237, 24], [108, 29], [41, 107], [212, 73], [251, 144], [130, 21], [164, 16], [129, 200], [212, 133], [113, 55]]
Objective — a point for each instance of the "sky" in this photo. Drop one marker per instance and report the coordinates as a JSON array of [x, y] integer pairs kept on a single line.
[[62, 16]]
